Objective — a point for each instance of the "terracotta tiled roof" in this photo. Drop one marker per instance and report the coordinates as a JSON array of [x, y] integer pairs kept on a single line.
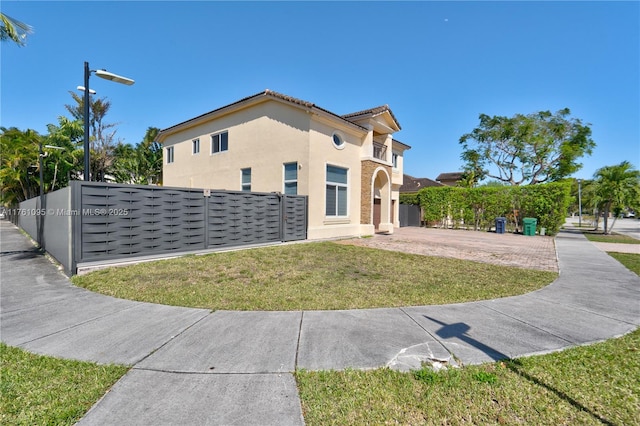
[[453, 176], [401, 143], [373, 112], [276, 95], [288, 98], [411, 184]]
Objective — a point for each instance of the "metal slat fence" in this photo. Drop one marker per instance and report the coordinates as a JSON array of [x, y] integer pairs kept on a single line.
[[112, 222]]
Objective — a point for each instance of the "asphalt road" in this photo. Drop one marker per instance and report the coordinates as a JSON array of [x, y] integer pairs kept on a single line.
[[630, 227]]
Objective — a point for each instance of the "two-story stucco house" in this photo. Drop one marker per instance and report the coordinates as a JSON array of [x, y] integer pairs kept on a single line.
[[349, 166]]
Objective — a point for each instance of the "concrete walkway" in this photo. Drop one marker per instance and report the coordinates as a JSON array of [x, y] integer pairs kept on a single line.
[[191, 366]]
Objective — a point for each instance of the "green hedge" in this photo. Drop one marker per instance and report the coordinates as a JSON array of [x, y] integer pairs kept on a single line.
[[477, 208], [410, 199]]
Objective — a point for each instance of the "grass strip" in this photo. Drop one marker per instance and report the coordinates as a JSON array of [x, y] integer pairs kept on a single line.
[[630, 260], [312, 276], [597, 384], [41, 390], [611, 238]]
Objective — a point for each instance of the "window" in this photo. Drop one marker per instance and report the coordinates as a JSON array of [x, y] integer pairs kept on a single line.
[[291, 178], [394, 160], [246, 180], [336, 202], [338, 141], [196, 146], [169, 153], [219, 142]]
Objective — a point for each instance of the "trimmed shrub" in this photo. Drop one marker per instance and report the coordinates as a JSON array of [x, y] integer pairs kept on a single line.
[[477, 208]]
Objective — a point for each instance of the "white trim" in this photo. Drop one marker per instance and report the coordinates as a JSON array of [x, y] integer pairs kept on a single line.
[[242, 184], [211, 144], [170, 149], [284, 179], [347, 185], [341, 137], [373, 188]]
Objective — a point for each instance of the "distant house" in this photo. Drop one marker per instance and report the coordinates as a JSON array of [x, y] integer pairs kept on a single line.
[[450, 179], [349, 166], [411, 184]]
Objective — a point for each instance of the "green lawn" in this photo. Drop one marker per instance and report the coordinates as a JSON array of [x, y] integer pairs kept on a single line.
[[40, 390], [612, 238], [312, 276], [630, 260], [584, 385], [598, 384]]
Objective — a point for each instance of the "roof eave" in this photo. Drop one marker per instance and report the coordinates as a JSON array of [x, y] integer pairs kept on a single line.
[[255, 99]]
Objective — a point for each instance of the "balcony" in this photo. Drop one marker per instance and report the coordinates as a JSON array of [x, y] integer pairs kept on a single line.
[[380, 151]]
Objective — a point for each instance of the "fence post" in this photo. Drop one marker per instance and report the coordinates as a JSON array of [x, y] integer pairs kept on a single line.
[[206, 195], [281, 199]]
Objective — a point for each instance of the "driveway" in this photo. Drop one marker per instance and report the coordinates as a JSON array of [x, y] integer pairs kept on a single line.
[[517, 250]]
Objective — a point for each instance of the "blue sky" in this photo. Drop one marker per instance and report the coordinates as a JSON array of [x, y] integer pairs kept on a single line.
[[438, 65]]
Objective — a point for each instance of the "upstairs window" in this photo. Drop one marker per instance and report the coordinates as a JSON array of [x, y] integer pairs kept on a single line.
[[219, 142], [291, 178], [246, 180], [169, 154], [338, 141], [195, 146], [337, 188], [394, 160]]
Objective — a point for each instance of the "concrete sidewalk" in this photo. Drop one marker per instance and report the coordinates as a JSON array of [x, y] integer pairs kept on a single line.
[[191, 366]]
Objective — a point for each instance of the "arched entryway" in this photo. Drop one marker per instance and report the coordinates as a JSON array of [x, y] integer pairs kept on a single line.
[[381, 200]]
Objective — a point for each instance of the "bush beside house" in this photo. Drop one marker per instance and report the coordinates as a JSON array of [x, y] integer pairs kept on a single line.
[[477, 208]]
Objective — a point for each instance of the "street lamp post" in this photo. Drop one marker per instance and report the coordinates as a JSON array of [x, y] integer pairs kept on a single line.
[[580, 203], [107, 76]]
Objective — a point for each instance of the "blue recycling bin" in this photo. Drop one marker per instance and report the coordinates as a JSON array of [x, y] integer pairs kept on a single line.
[[501, 225]]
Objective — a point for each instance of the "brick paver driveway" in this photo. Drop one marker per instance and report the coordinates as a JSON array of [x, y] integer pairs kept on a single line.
[[531, 252]]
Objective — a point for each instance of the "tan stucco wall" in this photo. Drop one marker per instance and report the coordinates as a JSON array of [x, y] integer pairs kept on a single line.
[[266, 136], [258, 138], [324, 152]]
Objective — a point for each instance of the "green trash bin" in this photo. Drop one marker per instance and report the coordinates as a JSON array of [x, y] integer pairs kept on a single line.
[[530, 225]]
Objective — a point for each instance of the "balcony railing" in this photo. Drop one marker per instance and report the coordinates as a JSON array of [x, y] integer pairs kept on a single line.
[[380, 151]]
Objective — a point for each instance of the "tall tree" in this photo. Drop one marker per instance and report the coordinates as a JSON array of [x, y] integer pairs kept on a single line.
[[65, 164], [140, 165], [20, 162], [526, 149], [102, 135], [19, 175], [616, 187], [13, 30], [150, 153]]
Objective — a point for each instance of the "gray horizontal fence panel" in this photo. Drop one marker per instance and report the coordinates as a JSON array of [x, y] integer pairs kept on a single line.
[[139, 221], [295, 218], [121, 221], [237, 218]]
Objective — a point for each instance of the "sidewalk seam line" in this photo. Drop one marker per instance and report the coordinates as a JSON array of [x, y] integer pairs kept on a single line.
[[71, 327], [482, 304], [212, 373], [295, 361], [171, 338], [582, 309], [453, 355]]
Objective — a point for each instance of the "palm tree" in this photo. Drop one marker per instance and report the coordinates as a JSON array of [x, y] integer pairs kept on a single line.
[[616, 187], [14, 30]]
